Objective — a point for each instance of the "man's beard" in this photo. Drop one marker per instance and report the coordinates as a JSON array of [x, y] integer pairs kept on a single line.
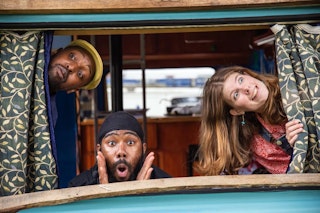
[[133, 176]]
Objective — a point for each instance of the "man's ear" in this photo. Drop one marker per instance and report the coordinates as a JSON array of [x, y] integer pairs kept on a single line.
[[236, 112], [56, 51], [71, 91], [144, 147]]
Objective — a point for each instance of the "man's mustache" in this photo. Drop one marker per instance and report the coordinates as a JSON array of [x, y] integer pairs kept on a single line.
[[121, 161]]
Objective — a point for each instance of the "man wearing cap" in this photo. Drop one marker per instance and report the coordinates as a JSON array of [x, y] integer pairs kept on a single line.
[[77, 66], [120, 154]]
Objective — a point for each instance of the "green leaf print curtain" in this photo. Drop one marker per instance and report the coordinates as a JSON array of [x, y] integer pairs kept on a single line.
[[26, 160], [298, 62]]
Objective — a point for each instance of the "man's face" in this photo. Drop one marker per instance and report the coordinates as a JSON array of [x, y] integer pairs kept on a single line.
[[123, 151], [70, 69]]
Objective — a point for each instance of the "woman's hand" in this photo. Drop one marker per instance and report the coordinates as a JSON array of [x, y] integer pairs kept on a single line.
[[145, 172], [102, 168], [293, 128]]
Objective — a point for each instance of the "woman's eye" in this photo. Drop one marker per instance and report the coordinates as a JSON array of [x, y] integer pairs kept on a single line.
[[240, 80], [235, 95]]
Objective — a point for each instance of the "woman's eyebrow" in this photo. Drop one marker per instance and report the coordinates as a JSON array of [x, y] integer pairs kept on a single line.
[[235, 82], [235, 78]]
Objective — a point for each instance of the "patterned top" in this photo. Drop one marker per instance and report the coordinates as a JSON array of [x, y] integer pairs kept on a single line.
[[269, 154]]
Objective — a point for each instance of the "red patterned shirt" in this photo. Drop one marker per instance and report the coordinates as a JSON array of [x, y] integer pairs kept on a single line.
[[270, 155]]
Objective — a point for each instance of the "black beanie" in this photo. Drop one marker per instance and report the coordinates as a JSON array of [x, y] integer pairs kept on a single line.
[[120, 121]]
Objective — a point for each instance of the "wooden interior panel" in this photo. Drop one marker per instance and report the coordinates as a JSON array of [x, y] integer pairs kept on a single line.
[[178, 135], [174, 163], [87, 156], [191, 49], [152, 136]]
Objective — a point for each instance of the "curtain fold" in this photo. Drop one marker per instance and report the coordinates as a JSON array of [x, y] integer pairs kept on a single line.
[[26, 160], [298, 63]]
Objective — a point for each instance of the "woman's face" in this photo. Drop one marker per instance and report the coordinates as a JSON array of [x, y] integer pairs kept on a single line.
[[245, 93]]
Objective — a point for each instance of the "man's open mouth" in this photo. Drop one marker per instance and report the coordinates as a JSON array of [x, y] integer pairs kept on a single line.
[[122, 170]]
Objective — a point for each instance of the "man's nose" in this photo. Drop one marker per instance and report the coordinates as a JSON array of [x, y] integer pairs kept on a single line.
[[121, 151], [71, 66]]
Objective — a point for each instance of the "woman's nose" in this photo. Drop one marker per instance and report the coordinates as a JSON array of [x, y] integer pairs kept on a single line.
[[246, 89]]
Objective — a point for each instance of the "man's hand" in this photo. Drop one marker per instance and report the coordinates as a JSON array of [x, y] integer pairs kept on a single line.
[[102, 168], [146, 170]]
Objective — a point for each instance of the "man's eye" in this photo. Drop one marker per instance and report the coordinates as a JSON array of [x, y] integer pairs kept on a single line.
[[111, 143], [130, 142], [72, 56], [80, 74]]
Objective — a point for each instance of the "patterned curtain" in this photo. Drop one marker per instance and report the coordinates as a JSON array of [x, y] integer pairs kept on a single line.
[[298, 61], [26, 160]]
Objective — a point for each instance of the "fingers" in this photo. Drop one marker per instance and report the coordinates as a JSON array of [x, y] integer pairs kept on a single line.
[[293, 128], [146, 170], [289, 124], [102, 168]]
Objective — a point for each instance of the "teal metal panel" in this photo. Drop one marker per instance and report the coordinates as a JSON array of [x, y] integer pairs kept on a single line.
[[156, 16], [291, 201]]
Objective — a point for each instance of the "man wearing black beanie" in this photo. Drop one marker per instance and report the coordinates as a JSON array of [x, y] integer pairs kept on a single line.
[[120, 154]]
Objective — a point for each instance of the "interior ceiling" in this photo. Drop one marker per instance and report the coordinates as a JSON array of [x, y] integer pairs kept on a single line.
[[176, 33], [188, 49]]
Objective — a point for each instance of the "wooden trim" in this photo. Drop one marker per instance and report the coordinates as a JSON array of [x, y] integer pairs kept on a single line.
[[159, 29], [164, 119], [213, 183], [148, 21], [95, 6]]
